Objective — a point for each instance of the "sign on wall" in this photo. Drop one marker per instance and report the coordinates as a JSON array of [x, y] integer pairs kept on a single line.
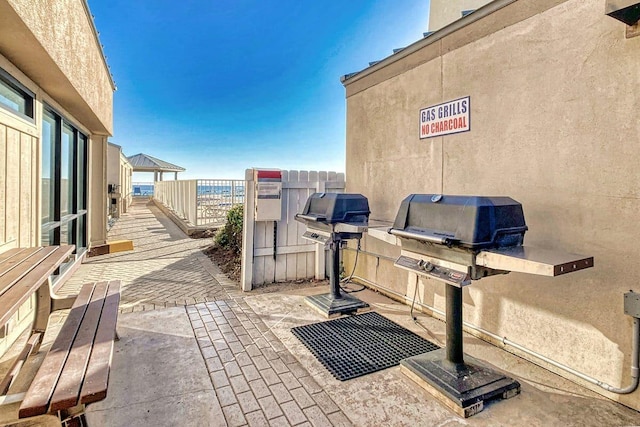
[[446, 118]]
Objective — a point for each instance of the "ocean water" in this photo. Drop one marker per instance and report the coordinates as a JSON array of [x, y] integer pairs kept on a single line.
[[225, 190], [142, 189], [219, 189]]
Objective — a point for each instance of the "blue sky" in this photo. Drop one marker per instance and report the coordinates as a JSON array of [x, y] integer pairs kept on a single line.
[[218, 86]]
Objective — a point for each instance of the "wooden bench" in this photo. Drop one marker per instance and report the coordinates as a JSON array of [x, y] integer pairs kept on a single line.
[[75, 371]]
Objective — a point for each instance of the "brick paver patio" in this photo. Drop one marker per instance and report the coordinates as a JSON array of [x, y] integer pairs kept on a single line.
[[257, 381], [165, 269]]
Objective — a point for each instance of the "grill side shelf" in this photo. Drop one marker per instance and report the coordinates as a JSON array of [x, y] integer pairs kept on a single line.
[[543, 262]]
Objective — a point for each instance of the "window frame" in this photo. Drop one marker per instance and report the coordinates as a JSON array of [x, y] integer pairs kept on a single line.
[[68, 220], [9, 81]]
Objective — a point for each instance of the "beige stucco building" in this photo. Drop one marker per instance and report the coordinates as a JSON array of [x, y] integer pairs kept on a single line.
[[56, 100], [119, 184], [554, 103], [444, 12]]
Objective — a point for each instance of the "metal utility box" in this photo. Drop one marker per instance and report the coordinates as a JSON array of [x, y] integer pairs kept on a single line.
[[632, 304], [268, 194]]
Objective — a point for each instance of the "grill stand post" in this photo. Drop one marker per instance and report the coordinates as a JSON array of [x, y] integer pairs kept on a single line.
[[461, 382], [454, 325], [334, 276], [336, 302]]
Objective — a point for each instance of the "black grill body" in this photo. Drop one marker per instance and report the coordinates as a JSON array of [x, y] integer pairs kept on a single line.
[[332, 218], [333, 208], [471, 222]]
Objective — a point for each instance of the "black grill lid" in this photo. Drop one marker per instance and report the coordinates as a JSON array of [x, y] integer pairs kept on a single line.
[[331, 208], [473, 222]]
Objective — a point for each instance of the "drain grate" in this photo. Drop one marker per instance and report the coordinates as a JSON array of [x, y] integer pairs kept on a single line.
[[353, 346]]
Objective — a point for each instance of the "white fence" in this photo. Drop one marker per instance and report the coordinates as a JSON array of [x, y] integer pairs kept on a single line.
[[201, 202], [274, 251]]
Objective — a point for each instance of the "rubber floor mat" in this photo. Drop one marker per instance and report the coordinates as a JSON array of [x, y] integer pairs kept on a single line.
[[353, 346]]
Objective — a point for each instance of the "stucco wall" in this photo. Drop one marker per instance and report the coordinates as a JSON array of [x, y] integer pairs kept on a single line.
[[554, 125], [119, 172], [113, 164], [52, 41], [444, 12], [126, 186]]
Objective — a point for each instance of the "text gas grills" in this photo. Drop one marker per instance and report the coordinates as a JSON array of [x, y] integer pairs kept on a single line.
[[455, 240], [332, 218]]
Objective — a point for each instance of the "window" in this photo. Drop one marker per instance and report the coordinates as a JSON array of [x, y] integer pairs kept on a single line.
[[64, 182], [15, 97]]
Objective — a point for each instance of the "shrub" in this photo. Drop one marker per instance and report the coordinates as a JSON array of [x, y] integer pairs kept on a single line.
[[230, 236]]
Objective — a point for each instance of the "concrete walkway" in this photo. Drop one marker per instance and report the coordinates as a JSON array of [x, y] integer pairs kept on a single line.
[[165, 269], [195, 351]]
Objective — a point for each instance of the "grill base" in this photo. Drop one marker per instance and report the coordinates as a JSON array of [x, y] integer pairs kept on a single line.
[[462, 387], [330, 306]]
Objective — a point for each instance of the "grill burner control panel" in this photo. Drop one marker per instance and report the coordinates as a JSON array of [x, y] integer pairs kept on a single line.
[[426, 268], [316, 237]]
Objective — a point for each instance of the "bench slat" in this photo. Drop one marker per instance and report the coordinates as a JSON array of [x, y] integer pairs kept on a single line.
[[22, 290], [15, 268], [67, 392], [97, 378], [37, 399], [9, 254]]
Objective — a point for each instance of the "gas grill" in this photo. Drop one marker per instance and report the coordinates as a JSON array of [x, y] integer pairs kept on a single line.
[[456, 240], [331, 219]]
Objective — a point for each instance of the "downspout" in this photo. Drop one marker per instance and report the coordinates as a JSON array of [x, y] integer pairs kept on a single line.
[[635, 352]]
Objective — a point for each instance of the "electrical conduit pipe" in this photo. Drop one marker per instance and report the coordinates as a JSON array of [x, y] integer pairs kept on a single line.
[[635, 352]]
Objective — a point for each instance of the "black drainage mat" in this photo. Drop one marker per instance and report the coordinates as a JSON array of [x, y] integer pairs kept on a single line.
[[353, 346]]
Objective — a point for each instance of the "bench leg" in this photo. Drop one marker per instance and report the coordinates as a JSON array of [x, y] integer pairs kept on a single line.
[[73, 417], [43, 310], [47, 303], [62, 303]]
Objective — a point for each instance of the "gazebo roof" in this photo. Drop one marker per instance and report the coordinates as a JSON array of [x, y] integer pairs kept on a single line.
[[146, 163]]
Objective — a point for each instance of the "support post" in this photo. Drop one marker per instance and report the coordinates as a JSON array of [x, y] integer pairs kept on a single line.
[[320, 254], [248, 225]]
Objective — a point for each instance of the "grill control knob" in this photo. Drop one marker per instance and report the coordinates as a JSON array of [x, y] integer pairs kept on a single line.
[[428, 266]]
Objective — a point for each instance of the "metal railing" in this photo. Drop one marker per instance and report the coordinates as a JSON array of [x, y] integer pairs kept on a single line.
[[202, 202]]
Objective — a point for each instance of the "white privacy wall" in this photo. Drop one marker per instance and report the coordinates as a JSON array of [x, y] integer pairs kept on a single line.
[[295, 258]]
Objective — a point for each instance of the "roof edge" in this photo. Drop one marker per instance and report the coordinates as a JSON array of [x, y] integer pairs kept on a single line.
[[96, 36], [431, 38]]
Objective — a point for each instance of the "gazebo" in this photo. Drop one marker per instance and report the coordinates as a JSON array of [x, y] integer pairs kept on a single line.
[[146, 163]]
